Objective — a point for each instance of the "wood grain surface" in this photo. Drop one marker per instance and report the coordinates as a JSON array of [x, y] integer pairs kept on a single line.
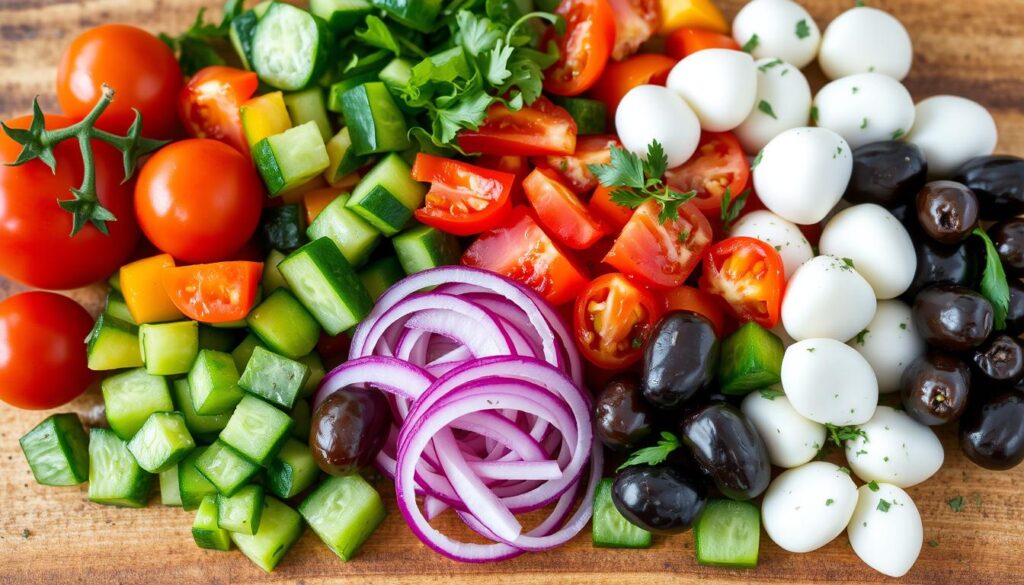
[[973, 48]]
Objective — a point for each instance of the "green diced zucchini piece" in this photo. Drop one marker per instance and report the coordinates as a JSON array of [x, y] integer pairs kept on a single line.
[[130, 397], [192, 485], [280, 527], [309, 105], [223, 467], [283, 228], [243, 29], [341, 15], [325, 282], [243, 351], [213, 383], [217, 338], [170, 493], [57, 450], [591, 116], [115, 281], [379, 276], [117, 307], [302, 417], [610, 529], [352, 234], [350, 81], [162, 442], [292, 471], [316, 373], [728, 534], [751, 359], [374, 121], [206, 530], [113, 344], [415, 14], [343, 512], [272, 279], [242, 511], [201, 425], [273, 378], [115, 478], [284, 325], [257, 430], [343, 158], [423, 247], [397, 73], [169, 348], [290, 47], [291, 158], [387, 195]]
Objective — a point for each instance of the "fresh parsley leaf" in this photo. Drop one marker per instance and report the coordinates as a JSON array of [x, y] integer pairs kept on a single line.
[[873, 485], [628, 198], [773, 63], [766, 107], [956, 503], [198, 46], [477, 33], [860, 336], [468, 112], [839, 435], [377, 34], [653, 455], [640, 181], [803, 30], [883, 505], [898, 133], [993, 280], [656, 163], [848, 262], [496, 71], [731, 209], [814, 114], [771, 393], [757, 159], [750, 45], [625, 170]]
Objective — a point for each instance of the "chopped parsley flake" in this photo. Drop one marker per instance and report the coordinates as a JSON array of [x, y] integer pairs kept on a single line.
[[848, 262], [854, 90], [860, 336], [933, 543], [773, 63], [771, 393], [750, 45], [810, 350], [898, 133], [873, 485], [839, 435], [766, 107], [814, 114], [883, 505], [803, 30], [864, 123], [903, 326], [845, 470], [757, 160], [956, 503], [829, 502]]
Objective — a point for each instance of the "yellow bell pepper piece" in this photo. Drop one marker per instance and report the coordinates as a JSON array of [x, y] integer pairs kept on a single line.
[[143, 290], [676, 14], [264, 116]]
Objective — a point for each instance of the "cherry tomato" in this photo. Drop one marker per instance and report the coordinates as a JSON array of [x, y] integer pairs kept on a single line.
[[208, 104], [520, 250], [140, 69], [541, 128], [661, 254], [518, 165], [620, 77], [584, 48], [613, 318], [688, 298], [463, 199], [687, 41], [573, 169], [718, 165], [220, 292], [35, 243], [42, 350], [561, 213], [198, 200], [635, 22], [749, 275], [602, 207]]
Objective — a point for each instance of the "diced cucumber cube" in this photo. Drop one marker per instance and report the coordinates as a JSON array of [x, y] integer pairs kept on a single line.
[[610, 529], [213, 383], [57, 450], [162, 442], [192, 485], [308, 105], [341, 15], [217, 338], [423, 247], [280, 527], [242, 511], [379, 276], [343, 512], [243, 351], [257, 430], [117, 307], [290, 47], [728, 534], [205, 529], [169, 348], [170, 493], [115, 478], [198, 424], [292, 471], [351, 233], [291, 158], [130, 397], [226, 469], [325, 282], [272, 279], [387, 195], [284, 325], [302, 416], [343, 158], [417, 14], [396, 74], [751, 359], [113, 344], [273, 378], [316, 373], [374, 121]]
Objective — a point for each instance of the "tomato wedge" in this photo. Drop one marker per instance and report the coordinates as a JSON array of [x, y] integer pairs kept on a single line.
[[209, 102], [463, 199], [561, 213], [539, 129], [520, 250], [620, 77], [718, 165], [688, 298], [636, 21], [687, 41], [613, 318], [590, 150], [602, 207], [220, 292], [518, 166], [661, 254], [749, 275], [584, 48]]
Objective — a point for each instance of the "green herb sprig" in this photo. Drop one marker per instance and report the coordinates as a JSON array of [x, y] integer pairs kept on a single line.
[[636, 181], [653, 455], [198, 46], [838, 434], [994, 286]]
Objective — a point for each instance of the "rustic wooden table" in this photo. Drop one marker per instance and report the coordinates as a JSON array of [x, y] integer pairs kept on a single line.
[[973, 48]]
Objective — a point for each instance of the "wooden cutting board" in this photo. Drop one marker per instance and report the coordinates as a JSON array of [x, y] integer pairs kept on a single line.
[[972, 48]]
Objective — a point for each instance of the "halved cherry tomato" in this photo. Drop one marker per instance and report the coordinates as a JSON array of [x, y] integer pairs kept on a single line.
[[519, 166], [541, 128], [719, 164], [635, 22], [749, 275], [463, 199], [688, 298], [590, 150], [661, 254], [602, 207], [584, 48], [613, 318], [561, 213], [209, 102], [687, 41], [214, 293], [620, 77], [521, 250]]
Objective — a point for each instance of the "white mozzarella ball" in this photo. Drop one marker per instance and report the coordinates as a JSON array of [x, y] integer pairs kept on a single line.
[[802, 173], [886, 530], [827, 298], [829, 382], [805, 508], [865, 39], [787, 97], [952, 130], [719, 84], [791, 439], [877, 243], [895, 449], [865, 108], [890, 343], [784, 235], [783, 29], [651, 112]]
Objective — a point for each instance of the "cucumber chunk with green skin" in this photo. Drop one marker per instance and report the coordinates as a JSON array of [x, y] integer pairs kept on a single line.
[[273, 377], [113, 344], [290, 47], [316, 374], [130, 397], [217, 339], [751, 359], [379, 276], [170, 494], [162, 442], [226, 469], [302, 417], [242, 511], [283, 228], [387, 195], [292, 471], [423, 247], [591, 116], [213, 383], [272, 279], [291, 158], [57, 450], [243, 29], [284, 325], [257, 430], [397, 73], [309, 105], [415, 14], [115, 281], [728, 534], [341, 15], [205, 529], [343, 158], [115, 478], [192, 485], [350, 81], [280, 528], [327, 285], [116, 306], [243, 351], [343, 512], [169, 348], [200, 425], [374, 121], [352, 234], [609, 528]]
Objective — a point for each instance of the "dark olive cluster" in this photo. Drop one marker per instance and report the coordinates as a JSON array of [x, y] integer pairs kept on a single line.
[[348, 429]]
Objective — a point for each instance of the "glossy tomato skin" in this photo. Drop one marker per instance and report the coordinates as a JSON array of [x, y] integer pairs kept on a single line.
[[687, 41], [561, 213], [601, 206], [584, 48], [719, 164], [43, 360], [748, 274], [620, 77], [613, 318], [208, 104], [574, 169], [139, 67], [220, 292], [35, 244], [463, 199], [688, 298], [636, 21], [540, 129], [198, 200]]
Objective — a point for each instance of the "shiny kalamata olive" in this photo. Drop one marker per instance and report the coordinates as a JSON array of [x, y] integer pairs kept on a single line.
[[947, 211], [935, 387], [661, 498], [992, 430], [952, 317], [888, 173], [1015, 314], [680, 359], [998, 181], [622, 419], [1008, 236], [1000, 360], [942, 264], [348, 429], [727, 447]]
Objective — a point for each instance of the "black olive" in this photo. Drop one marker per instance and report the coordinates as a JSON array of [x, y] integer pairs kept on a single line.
[[1000, 359], [952, 317], [661, 498], [888, 173], [622, 419], [938, 263], [1015, 314], [907, 215], [680, 359], [935, 387], [998, 181], [1008, 236], [348, 429], [992, 430], [728, 448], [947, 211]]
